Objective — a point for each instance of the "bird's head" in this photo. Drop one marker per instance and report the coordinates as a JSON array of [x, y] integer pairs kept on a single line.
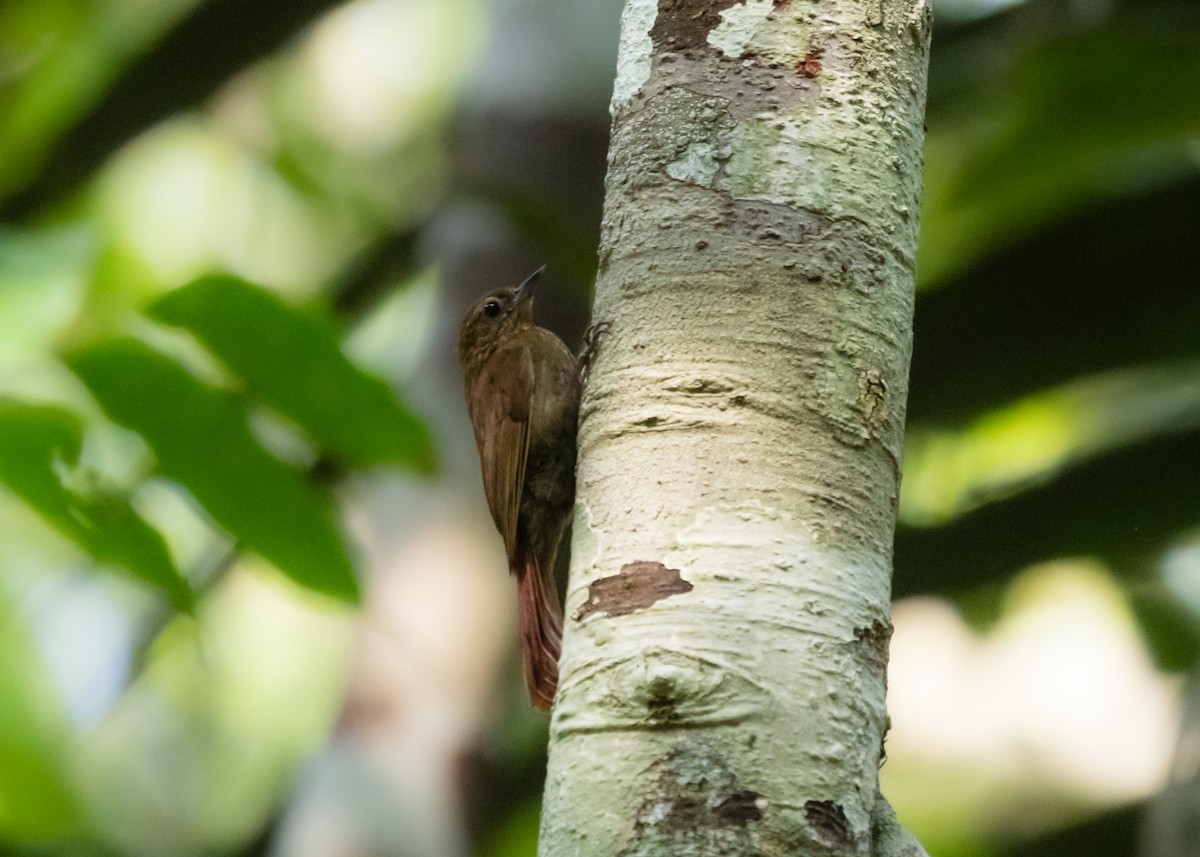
[[494, 317]]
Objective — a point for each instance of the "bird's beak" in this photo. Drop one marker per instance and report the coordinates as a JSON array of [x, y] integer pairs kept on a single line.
[[525, 290]]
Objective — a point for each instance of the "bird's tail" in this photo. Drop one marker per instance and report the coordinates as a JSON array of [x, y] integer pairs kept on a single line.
[[540, 621]]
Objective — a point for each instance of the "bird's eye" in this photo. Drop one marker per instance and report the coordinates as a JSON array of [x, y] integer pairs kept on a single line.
[[491, 309]]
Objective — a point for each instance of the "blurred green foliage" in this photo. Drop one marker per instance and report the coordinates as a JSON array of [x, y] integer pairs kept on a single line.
[[172, 429], [35, 444], [200, 439], [37, 800], [293, 362], [1077, 117]]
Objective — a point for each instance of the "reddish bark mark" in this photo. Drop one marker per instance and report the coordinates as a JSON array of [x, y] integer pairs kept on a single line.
[[635, 587], [810, 66]]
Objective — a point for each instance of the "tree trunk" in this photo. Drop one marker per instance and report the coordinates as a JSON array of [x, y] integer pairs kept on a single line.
[[723, 673]]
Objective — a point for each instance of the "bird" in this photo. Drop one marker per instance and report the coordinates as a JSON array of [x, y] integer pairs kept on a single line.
[[523, 388]]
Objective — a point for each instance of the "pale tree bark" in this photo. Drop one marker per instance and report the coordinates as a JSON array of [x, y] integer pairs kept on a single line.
[[723, 672]]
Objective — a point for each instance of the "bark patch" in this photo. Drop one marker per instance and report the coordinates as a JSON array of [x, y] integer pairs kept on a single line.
[[872, 400], [828, 820], [684, 24], [635, 587], [696, 386], [693, 803], [876, 637], [757, 221], [662, 703], [741, 807]]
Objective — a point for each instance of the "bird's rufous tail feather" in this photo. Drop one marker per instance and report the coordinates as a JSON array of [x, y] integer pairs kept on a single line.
[[540, 623]]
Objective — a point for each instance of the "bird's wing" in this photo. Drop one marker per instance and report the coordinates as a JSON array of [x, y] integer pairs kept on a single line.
[[505, 391]]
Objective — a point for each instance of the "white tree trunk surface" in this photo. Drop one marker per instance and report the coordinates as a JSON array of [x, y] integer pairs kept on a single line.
[[724, 665]]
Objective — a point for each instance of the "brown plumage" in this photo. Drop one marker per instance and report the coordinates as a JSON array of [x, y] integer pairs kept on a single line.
[[523, 398]]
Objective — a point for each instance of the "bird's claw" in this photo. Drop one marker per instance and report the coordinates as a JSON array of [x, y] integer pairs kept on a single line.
[[591, 344]]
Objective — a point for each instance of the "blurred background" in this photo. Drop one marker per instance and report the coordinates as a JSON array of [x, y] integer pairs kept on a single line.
[[251, 602]]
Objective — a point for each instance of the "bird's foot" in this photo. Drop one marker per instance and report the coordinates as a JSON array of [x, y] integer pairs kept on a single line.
[[591, 344]]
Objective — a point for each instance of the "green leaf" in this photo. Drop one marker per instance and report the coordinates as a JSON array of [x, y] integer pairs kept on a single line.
[[1101, 113], [118, 535], [294, 363], [202, 441], [37, 443], [33, 439], [37, 800]]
